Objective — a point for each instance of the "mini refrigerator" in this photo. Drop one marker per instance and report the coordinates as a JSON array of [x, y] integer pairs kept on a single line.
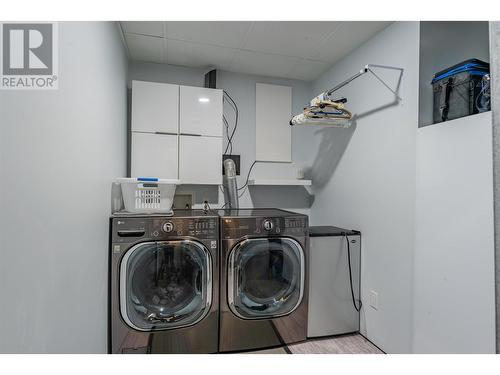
[[331, 307]]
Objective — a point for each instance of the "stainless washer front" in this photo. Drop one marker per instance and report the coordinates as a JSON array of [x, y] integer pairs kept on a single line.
[[164, 283], [175, 285]]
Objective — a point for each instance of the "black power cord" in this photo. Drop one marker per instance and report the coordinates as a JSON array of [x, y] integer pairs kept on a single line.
[[229, 143], [233, 104], [357, 308], [246, 182], [207, 208], [237, 113]]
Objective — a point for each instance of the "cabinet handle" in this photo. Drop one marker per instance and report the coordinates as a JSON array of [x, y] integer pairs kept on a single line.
[[165, 133], [191, 135]]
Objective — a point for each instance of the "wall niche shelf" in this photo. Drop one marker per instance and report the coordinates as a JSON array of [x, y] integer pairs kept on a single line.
[[442, 45], [279, 182]]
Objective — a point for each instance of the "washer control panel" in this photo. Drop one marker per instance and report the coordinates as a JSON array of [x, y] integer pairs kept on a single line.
[[133, 229]]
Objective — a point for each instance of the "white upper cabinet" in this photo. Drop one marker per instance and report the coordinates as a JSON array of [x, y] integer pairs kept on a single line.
[[200, 111], [200, 160], [176, 132], [155, 107], [155, 155], [273, 133]]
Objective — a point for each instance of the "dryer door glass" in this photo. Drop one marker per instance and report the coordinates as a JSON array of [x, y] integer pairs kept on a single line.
[[265, 277], [165, 285]]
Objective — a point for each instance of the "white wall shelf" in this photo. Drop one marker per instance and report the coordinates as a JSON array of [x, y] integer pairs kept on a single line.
[[279, 182]]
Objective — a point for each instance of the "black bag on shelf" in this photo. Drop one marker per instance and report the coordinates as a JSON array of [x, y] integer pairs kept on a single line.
[[462, 90]]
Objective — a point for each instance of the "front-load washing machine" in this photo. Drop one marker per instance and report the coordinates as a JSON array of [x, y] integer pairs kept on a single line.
[[263, 299], [164, 283]]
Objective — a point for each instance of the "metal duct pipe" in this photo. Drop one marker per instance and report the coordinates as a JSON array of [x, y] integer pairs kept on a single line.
[[229, 183]]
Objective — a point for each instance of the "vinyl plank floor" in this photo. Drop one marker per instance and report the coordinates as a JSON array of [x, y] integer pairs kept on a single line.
[[345, 344], [268, 351]]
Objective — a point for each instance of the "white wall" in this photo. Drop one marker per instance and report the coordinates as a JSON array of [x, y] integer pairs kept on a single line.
[[242, 88], [454, 306], [364, 178], [59, 151]]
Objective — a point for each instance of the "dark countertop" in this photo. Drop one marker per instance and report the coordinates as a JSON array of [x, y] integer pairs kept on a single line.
[[327, 230]]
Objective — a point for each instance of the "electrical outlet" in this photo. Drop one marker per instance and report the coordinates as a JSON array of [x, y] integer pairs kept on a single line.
[[374, 299]]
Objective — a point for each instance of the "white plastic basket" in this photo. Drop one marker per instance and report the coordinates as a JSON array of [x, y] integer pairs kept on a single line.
[[148, 195]]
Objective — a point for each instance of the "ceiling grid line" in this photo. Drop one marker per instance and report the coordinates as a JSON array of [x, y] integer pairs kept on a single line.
[[283, 49]]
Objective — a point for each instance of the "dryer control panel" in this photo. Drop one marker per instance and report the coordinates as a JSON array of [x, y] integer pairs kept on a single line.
[[133, 229], [234, 228]]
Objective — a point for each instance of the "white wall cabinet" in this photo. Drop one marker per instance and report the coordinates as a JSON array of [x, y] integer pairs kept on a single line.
[[273, 133], [155, 107], [176, 132], [200, 159], [155, 155], [200, 111]]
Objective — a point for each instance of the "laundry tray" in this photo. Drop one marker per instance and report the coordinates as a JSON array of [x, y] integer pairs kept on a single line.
[[148, 195]]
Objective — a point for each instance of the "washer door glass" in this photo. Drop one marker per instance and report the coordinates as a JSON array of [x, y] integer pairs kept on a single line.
[[265, 277], [165, 285]]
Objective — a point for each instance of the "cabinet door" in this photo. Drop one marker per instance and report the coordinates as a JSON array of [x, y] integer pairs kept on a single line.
[[155, 107], [200, 111], [273, 133], [154, 155], [200, 160]]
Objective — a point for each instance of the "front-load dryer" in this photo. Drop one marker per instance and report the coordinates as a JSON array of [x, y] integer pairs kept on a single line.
[[264, 298], [164, 279]]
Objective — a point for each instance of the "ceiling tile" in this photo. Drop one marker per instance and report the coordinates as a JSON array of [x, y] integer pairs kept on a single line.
[[265, 64], [145, 48], [198, 55], [225, 34], [298, 39], [348, 37], [300, 50], [153, 28], [308, 70]]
